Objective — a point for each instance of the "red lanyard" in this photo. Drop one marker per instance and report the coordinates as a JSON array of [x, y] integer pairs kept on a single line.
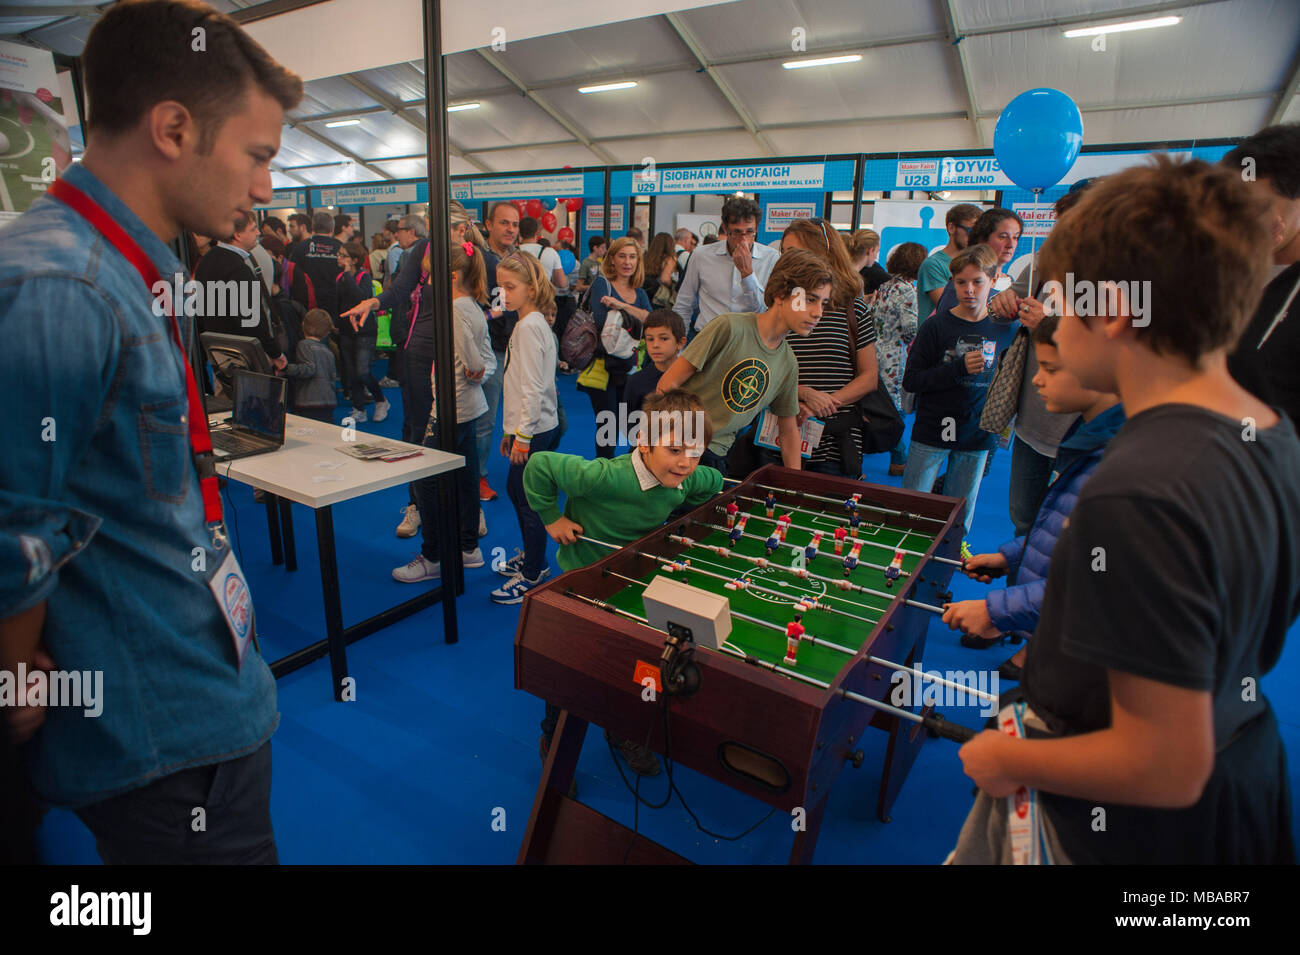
[[197, 419]]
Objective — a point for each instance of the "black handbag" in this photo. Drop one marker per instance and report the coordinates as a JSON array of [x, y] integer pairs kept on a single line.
[[882, 425]]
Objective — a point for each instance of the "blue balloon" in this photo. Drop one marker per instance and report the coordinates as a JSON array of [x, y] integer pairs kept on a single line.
[[1038, 138]]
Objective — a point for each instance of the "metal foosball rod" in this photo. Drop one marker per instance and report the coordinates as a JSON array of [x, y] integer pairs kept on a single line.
[[764, 562], [814, 530], [944, 728], [811, 602], [731, 530], [906, 515]]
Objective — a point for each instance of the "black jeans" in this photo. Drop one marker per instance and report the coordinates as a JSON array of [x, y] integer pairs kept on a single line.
[[531, 528], [160, 824], [1031, 473], [358, 353], [465, 480]]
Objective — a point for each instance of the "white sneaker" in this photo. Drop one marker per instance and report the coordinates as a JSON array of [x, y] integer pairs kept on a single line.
[[482, 524], [381, 411], [472, 558], [358, 417], [410, 521], [417, 570]]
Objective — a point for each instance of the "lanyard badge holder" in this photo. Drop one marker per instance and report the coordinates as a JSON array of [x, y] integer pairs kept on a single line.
[[228, 585], [1024, 814]]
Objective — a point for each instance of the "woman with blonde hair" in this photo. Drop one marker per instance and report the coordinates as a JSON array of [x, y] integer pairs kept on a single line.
[[834, 374], [618, 304]]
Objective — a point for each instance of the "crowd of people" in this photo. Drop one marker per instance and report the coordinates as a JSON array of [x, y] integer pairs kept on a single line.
[[1156, 567]]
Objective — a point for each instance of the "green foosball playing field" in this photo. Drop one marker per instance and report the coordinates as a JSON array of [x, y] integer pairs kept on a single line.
[[763, 599]]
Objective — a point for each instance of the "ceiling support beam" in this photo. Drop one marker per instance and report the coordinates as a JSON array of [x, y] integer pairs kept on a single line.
[[404, 112], [1286, 93], [341, 150], [569, 125], [691, 43], [963, 67]]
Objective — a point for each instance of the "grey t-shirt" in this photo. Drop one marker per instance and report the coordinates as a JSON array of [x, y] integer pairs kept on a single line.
[[1039, 428]]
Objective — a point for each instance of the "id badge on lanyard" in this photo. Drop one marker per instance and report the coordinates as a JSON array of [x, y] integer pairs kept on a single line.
[[1024, 814], [228, 586]]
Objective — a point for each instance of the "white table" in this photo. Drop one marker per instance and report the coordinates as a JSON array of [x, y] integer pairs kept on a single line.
[[288, 475]]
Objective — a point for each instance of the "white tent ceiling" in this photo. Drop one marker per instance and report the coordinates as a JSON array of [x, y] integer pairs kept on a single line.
[[934, 74]]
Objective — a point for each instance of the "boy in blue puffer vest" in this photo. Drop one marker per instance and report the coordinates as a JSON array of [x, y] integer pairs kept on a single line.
[[1014, 609]]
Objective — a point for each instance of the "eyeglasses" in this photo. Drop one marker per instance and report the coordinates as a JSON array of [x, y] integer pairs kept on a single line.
[[739, 234]]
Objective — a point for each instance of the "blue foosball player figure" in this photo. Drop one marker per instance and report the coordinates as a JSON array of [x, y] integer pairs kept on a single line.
[[851, 562], [738, 531], [811, 550], [895, 569], [855, 519]]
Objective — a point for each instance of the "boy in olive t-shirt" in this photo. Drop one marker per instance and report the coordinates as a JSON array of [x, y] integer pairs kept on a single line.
[[740, 363]]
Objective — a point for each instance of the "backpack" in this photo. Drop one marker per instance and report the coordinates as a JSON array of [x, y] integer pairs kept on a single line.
[[290, 270], [578, 346]]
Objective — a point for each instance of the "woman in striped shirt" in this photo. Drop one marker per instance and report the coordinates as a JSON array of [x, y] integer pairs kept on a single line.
[[832, 375]]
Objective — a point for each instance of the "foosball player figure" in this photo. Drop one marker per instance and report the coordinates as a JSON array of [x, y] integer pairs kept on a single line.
[[732, 509], [895, 569], [811, 551], [851, 562], [738, 531], [770, 503], [840, 534], [773, 543], [794, 632], [854, 520], [851, 504], [783, 526]]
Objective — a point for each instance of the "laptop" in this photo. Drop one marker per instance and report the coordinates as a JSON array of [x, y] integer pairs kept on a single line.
[[257, 425]]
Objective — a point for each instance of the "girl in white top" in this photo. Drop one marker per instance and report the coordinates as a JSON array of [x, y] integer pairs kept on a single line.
[[528, 404]]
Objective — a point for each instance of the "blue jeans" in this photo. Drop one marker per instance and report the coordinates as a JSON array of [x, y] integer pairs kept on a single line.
[[465, 481], [1030, 474], [358, 352], [531, 528], [965, 471], [152, 825], [487, 424]]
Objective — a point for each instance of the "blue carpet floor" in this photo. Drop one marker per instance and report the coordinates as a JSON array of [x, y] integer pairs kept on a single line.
[[438, 745]]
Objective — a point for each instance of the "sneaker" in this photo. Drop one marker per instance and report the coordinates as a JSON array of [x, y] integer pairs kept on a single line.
[[896, 470], [513, 566], [485, 493], [381, 411], [482, 524], [387, 382], [358, 417], [472, 558], [417, 570], [513, 590], [410, 521], [639, 759]]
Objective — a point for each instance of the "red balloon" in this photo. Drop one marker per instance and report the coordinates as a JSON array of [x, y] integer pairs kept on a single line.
[[573, 205], [565, 234], [535, 208], [549, 222], [518, 204]]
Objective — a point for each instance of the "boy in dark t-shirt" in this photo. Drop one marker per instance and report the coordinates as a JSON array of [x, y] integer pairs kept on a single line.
[[664, 333], [317, 258], [1174, 582]]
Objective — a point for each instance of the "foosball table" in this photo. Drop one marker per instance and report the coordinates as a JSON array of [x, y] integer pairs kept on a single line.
[[831, 585]]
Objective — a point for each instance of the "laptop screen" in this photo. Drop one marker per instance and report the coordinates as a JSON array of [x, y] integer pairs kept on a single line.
[[259, 404]]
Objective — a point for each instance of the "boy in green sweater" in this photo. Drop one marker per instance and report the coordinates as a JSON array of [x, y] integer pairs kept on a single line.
[[619, 500]]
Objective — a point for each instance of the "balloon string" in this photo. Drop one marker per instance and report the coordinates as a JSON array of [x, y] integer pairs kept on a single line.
[[1033, 243]]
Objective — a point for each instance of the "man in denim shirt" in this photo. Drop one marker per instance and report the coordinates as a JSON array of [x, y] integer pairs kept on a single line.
[[106, 559]]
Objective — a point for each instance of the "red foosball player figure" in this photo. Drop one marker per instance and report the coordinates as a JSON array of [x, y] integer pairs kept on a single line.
[[770, 503], [895, 569], [783, 526], [732, 510], [854, 520], [794, 632], [811, 551], [738, 531], [851, 504], [851, 562], [840, 534]]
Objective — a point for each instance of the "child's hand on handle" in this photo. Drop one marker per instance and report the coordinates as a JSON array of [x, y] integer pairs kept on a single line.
[[970, 616], [984, 567], [564, 531], [974, 362], [981, 761]]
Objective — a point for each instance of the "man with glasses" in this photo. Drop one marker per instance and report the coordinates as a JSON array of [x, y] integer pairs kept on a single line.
[[727, 276], [934, 276]]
